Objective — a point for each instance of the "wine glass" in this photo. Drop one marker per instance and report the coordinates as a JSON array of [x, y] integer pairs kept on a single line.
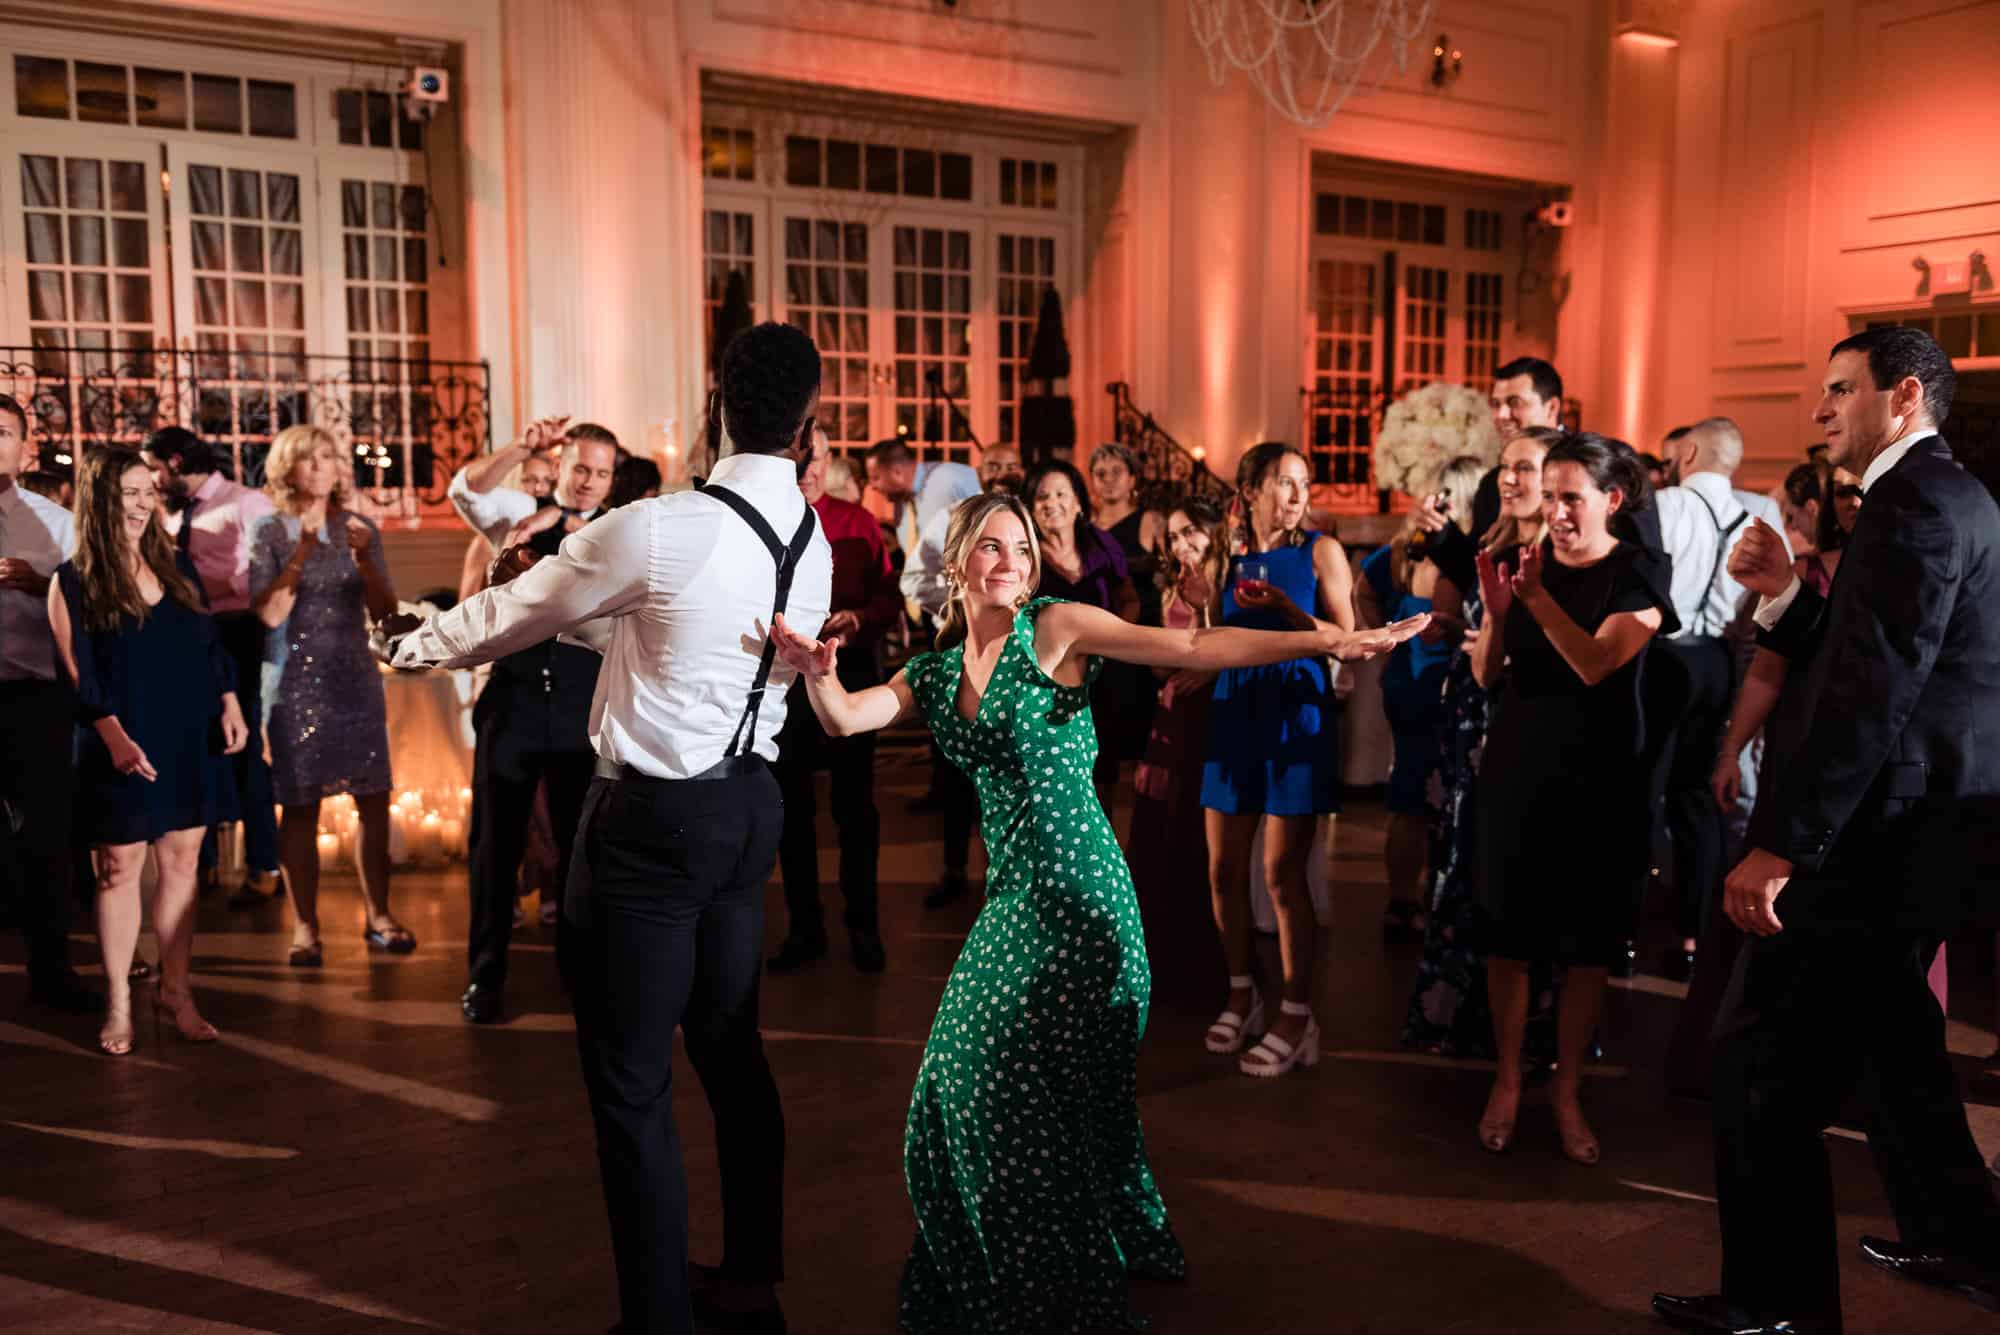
[[1252, 573]]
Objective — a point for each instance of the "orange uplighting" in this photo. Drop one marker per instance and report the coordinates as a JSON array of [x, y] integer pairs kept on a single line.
[[1647, 37]]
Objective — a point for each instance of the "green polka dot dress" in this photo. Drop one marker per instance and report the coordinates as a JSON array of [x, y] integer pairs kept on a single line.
[[1023, 1153]]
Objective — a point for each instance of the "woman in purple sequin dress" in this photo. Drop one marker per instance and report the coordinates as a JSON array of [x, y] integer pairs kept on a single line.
[[318, 573]]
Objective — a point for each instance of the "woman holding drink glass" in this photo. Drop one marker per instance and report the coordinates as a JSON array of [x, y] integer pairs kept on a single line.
[[1273, 757]]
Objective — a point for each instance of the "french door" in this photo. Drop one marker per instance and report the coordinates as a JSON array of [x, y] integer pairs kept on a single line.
[[924, 319]]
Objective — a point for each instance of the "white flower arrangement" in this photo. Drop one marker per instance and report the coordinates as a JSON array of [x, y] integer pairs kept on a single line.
[[1426, 429]]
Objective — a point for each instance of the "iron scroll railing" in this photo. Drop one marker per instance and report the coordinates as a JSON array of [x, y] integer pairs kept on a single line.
[[410, 423], [1166, 467]]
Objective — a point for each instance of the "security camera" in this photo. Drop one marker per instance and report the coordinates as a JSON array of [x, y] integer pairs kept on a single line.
[[1559, 213], [428, 83]]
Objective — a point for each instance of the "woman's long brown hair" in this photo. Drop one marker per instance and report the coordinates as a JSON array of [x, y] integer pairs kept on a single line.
[[110, 589], [1207, 516]]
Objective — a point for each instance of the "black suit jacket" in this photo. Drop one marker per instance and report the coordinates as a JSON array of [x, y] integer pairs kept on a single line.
[[1890, 808]]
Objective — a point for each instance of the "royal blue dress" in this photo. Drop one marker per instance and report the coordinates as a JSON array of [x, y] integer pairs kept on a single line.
[[164, 679], [1412, 688], [1274, 732]]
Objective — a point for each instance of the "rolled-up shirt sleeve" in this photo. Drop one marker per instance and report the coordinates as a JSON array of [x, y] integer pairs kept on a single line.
[[490, 513], [600, 571]]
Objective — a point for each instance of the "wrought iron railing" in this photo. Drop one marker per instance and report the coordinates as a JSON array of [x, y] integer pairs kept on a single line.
[[409, 423], [1167, 468]]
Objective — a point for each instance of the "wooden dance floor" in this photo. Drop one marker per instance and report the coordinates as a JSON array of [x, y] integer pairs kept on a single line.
[[355, 1157]]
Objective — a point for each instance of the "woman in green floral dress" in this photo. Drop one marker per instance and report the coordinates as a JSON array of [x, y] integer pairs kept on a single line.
[[1023, 1153]]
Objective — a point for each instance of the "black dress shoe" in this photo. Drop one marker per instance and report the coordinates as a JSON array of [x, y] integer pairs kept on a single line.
[[797, 952], [482, 1002], [954, 887], [65, 992], [1713, 1314], [756, 1321], [1978, 1283], [869, 957]]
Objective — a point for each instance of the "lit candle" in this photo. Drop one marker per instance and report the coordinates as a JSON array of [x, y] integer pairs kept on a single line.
[[430, 841], [454, 837], [329, 851]]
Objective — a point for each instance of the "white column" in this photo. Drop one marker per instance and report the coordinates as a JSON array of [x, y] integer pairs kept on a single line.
[[603, 156]]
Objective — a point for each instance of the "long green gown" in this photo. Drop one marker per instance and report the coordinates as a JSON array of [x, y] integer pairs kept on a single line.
[[1023, 1153]]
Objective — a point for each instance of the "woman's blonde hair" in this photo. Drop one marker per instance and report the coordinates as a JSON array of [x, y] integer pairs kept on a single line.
[[1459, 481], [968, 521], [291, 447]]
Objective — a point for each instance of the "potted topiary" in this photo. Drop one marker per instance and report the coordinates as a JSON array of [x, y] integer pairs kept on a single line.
[[1048, 419]]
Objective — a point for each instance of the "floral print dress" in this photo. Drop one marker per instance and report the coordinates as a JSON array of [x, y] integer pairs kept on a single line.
[[1023, 1154]]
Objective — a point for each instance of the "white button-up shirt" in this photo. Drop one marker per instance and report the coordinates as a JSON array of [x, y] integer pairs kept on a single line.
[[1692, 517], [36, 530], [489, 512], [1770, 611], [688, 588], [223, 513]]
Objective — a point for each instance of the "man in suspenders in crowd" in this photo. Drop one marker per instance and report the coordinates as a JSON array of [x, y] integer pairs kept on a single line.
[[664, 912], [1700, 520], [532, 722]]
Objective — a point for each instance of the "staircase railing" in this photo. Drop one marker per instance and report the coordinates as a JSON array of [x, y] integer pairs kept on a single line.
[[1166, 467]]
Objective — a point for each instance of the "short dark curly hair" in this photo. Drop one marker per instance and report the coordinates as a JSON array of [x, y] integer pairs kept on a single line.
[[770, 376], [1897, 351]]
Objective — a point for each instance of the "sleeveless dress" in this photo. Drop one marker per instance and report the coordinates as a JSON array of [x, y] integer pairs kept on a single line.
[[164, 679], [1023, 1154], [1274, 732]]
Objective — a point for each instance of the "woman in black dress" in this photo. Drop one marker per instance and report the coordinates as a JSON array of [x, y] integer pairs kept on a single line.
[[156, 695], [1563, 843]]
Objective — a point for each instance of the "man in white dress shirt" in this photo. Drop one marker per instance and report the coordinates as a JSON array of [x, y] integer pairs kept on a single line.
[[665, 907], [36, 727], [212, 525], [1700, 521], [532, 722]]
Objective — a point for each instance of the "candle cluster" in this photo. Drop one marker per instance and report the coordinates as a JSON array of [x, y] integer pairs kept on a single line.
[[426, 828]]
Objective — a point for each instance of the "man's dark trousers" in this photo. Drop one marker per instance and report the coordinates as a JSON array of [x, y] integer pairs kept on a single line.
[[663, 928], [803, 749], [37, 775], [1694, 822], [521, 741], [1810, 1016]]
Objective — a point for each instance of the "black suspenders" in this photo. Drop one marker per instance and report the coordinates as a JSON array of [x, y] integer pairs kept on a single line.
[[1721, 547], [787, 560]]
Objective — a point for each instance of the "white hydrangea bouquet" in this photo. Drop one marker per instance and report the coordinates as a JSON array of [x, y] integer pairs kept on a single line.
[[1426, 429]]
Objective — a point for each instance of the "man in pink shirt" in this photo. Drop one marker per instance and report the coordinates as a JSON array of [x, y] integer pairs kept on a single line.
[[866, 603], [212, 522]]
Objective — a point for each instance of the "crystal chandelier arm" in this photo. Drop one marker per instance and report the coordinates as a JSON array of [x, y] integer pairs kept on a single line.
[[1297, 53]]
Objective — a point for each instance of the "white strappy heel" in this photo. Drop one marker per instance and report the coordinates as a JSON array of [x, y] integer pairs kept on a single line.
[[1274, 1056], [1230, 1029]]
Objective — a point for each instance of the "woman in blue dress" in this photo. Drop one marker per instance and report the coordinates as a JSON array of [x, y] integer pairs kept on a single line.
[[158, 717], [1396, 582], [1022, 1151], [1273, 758]]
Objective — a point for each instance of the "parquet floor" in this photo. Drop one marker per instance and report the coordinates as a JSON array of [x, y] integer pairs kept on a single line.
[[353, 1157]]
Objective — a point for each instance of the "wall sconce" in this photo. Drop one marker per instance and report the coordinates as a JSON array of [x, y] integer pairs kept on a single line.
[[1447, 62], [1922, 266]]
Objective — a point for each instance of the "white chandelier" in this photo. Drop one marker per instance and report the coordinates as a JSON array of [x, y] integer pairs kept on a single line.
[[1305, 56]]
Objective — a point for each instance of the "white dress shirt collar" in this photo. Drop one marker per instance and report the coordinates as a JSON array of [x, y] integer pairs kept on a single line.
[[1892, 456]]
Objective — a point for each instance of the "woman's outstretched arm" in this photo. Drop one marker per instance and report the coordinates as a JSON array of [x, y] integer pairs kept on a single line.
[[1068, 630], [840, 711]]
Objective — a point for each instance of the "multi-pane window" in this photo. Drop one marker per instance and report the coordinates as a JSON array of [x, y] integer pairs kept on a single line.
[[826, 294], [1341, 394], [372, 118], [1379, 219], [933, 312], [89, 267], [1961, 336], [246, 241], [728, 246], [1485, 295], [103, 94], [1026, 270], [1426, 294], [728, 153], [1027, 183], [878, 169], [1483, 230], [386, 264]]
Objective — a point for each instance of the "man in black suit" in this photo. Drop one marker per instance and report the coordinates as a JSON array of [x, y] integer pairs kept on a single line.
[[1865, 852]]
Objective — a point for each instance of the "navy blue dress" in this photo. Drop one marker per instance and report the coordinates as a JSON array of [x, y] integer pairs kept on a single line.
[[1274, 732], [164, 679]]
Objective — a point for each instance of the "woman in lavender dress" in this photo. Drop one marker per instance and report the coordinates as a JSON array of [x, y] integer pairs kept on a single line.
[[318, 573]]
